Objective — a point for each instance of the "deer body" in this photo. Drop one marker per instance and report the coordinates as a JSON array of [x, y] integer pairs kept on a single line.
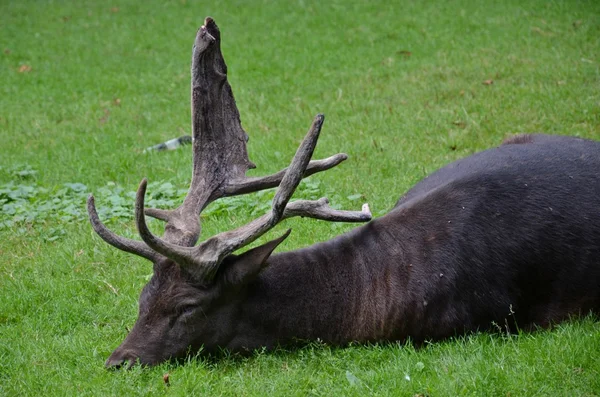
[[514, 237], [509, 236]]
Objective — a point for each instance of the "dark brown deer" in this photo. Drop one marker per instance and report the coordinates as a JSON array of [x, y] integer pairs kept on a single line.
[[507, 236]]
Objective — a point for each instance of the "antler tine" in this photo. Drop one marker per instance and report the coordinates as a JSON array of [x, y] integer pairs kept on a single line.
[[122, 243], [294, 173], [320, 209], [254, 184], [175, 252]]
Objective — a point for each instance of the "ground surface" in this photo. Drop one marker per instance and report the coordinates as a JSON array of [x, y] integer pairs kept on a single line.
[[406, 87]]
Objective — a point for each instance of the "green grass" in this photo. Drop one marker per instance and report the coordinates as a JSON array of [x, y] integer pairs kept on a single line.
[[85, 86]]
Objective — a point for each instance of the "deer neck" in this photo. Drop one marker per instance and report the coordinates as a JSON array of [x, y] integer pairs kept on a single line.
[[339, 291]]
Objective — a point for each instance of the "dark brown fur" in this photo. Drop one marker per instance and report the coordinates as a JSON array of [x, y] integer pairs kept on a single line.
[[510, 235]]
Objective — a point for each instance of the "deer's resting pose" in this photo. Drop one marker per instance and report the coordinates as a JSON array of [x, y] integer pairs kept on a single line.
[[509, 236]]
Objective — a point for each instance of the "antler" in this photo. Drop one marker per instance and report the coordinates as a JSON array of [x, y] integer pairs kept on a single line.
[[204, 259], [220, 162]]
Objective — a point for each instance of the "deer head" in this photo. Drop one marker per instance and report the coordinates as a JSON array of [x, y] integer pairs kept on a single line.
[[190, 300]]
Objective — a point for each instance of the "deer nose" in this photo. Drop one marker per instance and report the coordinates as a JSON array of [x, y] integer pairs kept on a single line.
[[121, 359]]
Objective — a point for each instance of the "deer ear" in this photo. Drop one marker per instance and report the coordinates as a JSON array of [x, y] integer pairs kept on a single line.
[[244, 268]]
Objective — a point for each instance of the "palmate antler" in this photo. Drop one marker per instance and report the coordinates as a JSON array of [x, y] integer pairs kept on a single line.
[[220, 162]]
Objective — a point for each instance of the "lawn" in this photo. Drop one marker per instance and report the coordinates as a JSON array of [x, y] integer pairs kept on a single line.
[[406, 87]]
